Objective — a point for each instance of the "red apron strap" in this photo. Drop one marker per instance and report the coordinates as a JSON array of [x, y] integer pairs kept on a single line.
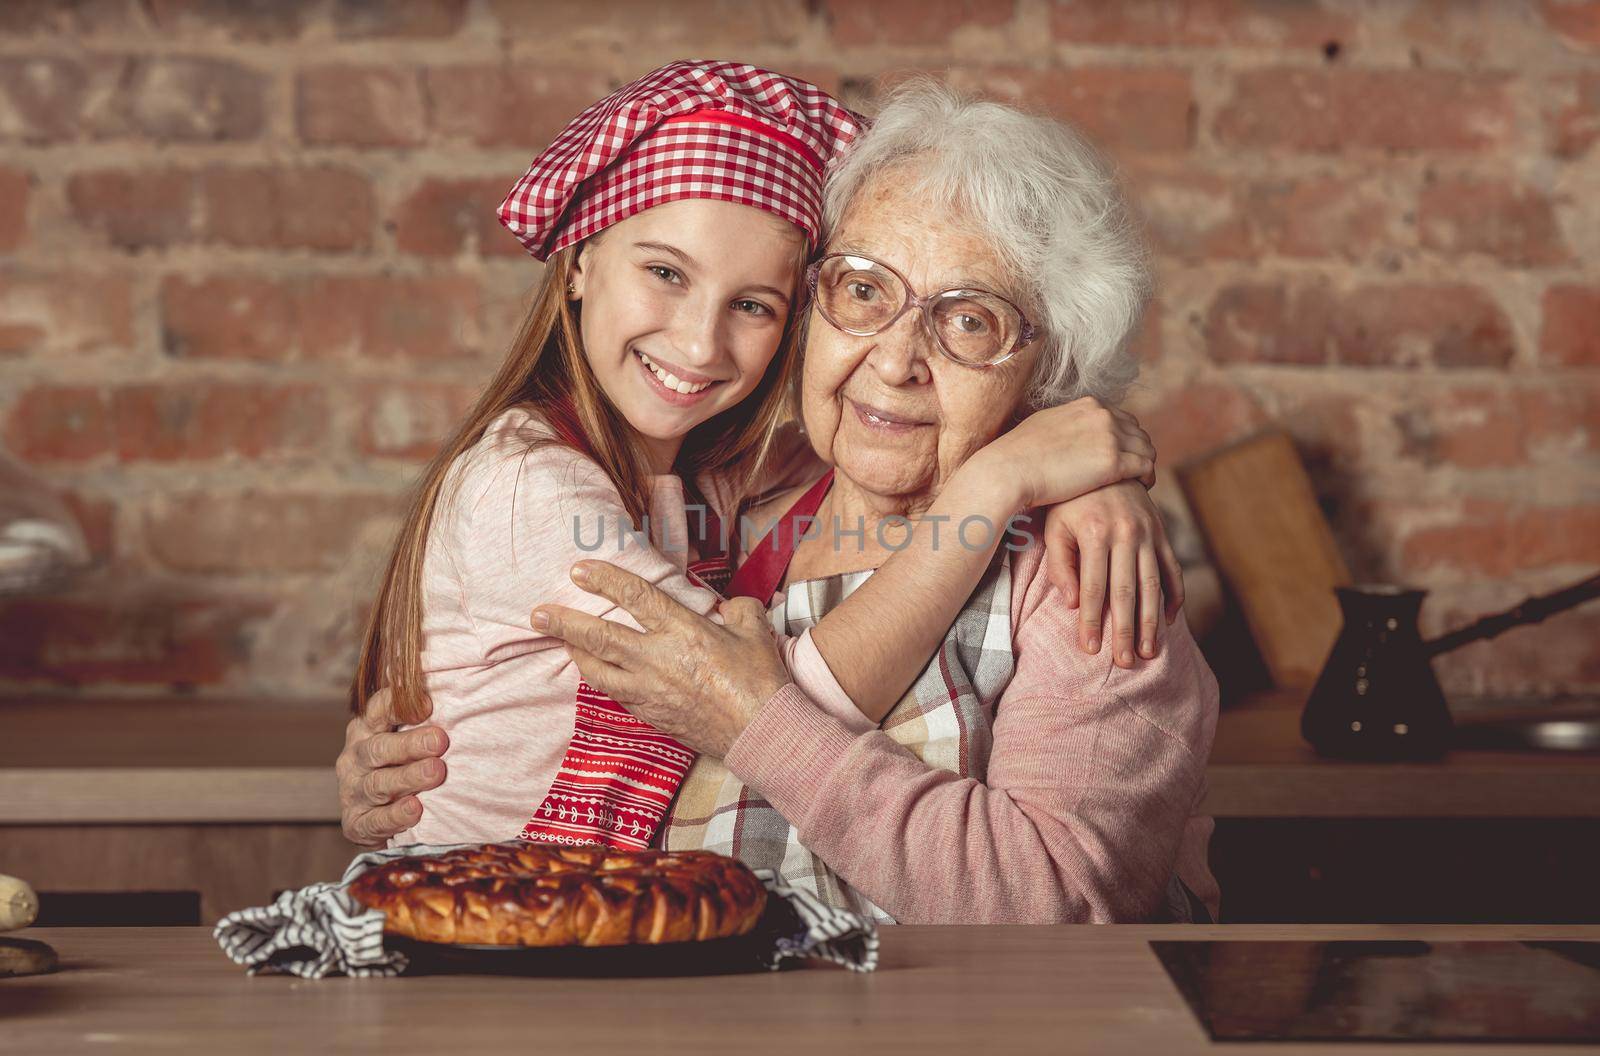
[[764, 569]]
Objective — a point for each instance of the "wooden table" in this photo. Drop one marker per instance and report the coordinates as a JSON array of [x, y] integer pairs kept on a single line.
[[964, 990]]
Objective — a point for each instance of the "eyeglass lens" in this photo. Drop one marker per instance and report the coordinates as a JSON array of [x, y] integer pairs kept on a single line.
[[861, 295]]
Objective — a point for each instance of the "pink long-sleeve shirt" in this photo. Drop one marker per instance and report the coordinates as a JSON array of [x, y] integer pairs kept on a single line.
[[510, 525]]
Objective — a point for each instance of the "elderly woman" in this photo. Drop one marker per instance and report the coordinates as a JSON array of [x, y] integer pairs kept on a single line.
[[1020, 779]]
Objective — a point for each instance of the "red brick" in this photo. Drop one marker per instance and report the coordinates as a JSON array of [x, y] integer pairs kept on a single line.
[[213, 419], [327, 317], [388, 317], [1405, 325], [229, 318], [362, 107], [1190, 213], [901, 22], [230, 20], [182, 421], [256, 532], [1194, 419], [178, 98], [444, 217], [1499, 427], [134, 633], [1195, 214], [1198, 23], [1571, 335], [510, 106], [697, 27], [41, 98], [1271, 323], [408, 420], [1148, 108], [323, 208], [1320, 217], [14, 188], [1514, 224], [80, 18], [136, 209], [1333, 111], [1496, 539], [1402, 325], [181, 99], [1575, 127], [65, 313], [1577, 21], [70, 423], [363, 19]]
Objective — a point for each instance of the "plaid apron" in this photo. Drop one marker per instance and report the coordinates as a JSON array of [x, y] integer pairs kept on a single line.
[[944, 719]]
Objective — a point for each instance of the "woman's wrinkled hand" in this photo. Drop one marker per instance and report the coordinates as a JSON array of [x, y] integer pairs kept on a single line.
[[1113, 542], [1060, 453], [382, 769], [695, 680]]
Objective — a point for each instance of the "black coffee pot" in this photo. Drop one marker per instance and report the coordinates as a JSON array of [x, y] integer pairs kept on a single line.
[[1377, 697]]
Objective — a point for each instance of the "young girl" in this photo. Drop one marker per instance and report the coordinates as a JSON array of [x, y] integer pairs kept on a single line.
[[651, 374]]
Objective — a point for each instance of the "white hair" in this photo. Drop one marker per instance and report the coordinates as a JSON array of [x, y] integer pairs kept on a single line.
[[1048, 204]]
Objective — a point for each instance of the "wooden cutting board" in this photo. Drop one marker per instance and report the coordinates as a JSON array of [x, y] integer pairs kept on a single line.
[[1256, 509]]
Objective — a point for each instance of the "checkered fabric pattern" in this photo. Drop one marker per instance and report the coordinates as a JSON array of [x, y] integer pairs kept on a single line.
[[721, 130], [945, 719]]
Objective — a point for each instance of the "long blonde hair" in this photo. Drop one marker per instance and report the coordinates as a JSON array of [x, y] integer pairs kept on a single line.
[[546, 367]]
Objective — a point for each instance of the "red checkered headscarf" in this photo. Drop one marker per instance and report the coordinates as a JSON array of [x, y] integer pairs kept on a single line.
[[720, 130]]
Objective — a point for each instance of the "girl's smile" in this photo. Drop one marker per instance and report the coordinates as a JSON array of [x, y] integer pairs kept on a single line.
[[676, 385]]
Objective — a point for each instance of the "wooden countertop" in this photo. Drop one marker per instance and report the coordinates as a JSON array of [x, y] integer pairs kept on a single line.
[[1261, 768], [960, 990], [75, 760], [169, 759]]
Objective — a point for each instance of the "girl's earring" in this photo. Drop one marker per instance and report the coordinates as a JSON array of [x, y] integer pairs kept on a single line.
[[572, 289]]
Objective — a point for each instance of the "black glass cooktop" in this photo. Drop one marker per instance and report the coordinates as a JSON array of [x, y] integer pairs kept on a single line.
[[1390, 991]]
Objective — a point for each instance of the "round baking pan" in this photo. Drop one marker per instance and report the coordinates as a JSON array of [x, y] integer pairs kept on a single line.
[[742, 953]]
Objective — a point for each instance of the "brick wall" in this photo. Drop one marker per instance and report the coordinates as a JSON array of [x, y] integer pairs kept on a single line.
[[249, 271]]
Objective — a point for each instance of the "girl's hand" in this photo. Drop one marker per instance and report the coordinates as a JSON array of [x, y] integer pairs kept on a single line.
[[1118, 528], [696, 681], [1060, 453]]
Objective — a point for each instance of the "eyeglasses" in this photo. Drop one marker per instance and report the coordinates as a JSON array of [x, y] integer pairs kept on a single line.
[[862, 296]]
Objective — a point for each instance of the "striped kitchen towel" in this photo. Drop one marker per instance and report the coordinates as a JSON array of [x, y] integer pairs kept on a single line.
[[321, 929]]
